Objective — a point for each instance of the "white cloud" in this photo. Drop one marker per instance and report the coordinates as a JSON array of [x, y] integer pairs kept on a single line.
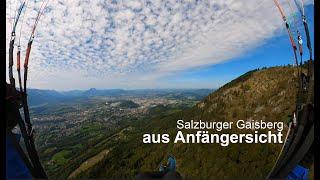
[[82, 44]]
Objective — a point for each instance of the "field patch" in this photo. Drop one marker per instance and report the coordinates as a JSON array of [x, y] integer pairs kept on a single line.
[[89, 163]]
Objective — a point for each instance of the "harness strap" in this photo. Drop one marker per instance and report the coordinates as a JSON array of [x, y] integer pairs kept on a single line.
[[28, 140]]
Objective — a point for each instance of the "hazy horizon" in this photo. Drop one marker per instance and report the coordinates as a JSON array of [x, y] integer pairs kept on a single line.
[[142, 89]]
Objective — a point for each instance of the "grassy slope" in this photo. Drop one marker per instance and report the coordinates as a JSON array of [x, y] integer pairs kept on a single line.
[[267, 94]]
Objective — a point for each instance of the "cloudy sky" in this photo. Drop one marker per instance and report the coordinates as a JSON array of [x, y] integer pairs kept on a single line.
[[81, 44]]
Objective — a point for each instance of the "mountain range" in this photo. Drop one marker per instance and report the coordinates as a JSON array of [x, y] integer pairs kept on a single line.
[[39, 97]]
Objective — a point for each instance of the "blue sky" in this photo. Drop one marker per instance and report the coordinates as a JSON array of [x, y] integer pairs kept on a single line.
[[152, 44], [276, 51]]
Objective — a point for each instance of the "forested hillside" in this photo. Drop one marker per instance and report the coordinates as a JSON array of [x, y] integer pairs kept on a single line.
[[267, 94]]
